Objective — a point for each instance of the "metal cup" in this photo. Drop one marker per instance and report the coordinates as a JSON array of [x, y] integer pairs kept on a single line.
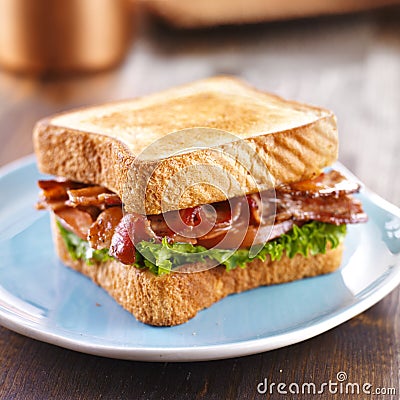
[[41, 36]]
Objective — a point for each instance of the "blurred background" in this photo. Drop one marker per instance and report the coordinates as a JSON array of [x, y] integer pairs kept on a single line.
[[343, 55]]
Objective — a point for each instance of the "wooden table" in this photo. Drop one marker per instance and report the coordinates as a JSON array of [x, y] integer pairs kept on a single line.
[[349, 64]]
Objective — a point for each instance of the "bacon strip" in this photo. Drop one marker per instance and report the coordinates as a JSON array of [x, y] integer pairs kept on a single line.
[[75, 220], [54, 193], [326, 184], [341, 210], [95, 214], [102, 230]]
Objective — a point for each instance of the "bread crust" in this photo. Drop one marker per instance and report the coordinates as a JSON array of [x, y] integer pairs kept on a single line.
[[100, 145], [175, 298]]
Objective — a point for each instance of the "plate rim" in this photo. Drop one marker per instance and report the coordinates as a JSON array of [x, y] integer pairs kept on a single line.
[[16, 164], [206, 352]]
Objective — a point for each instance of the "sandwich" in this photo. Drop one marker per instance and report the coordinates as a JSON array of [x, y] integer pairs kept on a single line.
[[173, 201]]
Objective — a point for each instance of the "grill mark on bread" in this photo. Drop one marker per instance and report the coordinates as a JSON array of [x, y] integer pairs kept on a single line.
[[287, 156], [280, 156]]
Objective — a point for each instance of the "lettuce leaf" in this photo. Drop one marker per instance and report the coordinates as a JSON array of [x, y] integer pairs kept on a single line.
[[161, 258], [310, 239], [80, 249]]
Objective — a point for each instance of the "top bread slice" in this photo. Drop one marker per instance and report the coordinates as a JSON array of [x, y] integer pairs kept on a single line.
[[108, 144]]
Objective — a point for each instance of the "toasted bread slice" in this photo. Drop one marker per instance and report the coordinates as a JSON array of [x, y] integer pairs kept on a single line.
[[194, 14], [177, 297], [101, 145]]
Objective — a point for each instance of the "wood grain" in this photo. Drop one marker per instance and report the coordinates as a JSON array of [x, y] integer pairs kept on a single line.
[[350, 64]]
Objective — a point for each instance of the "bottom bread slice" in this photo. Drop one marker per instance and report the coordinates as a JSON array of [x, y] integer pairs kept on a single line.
[[177, 297]]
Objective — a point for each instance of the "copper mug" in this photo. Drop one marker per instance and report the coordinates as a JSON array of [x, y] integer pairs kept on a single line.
[[63, 35]]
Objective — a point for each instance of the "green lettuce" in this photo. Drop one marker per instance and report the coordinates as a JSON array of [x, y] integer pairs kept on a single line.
[[309, 239], [161, 258], [80, 249]]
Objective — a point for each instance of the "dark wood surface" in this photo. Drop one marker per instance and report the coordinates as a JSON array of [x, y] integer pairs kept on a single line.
[[350, 64]]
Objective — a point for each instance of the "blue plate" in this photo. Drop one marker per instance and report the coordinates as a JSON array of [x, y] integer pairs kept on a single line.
[[41, 298]]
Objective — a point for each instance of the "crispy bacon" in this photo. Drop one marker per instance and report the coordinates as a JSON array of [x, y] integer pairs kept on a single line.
[[326, 184], [75, 220], [51, 187], [325, 199], [54, 193], [341, 210], [109, 199], [72, 194], [95, 214], [87, 196], [102, 230]]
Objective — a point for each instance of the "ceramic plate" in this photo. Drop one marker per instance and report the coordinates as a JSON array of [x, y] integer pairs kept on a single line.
[[42, 299]]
